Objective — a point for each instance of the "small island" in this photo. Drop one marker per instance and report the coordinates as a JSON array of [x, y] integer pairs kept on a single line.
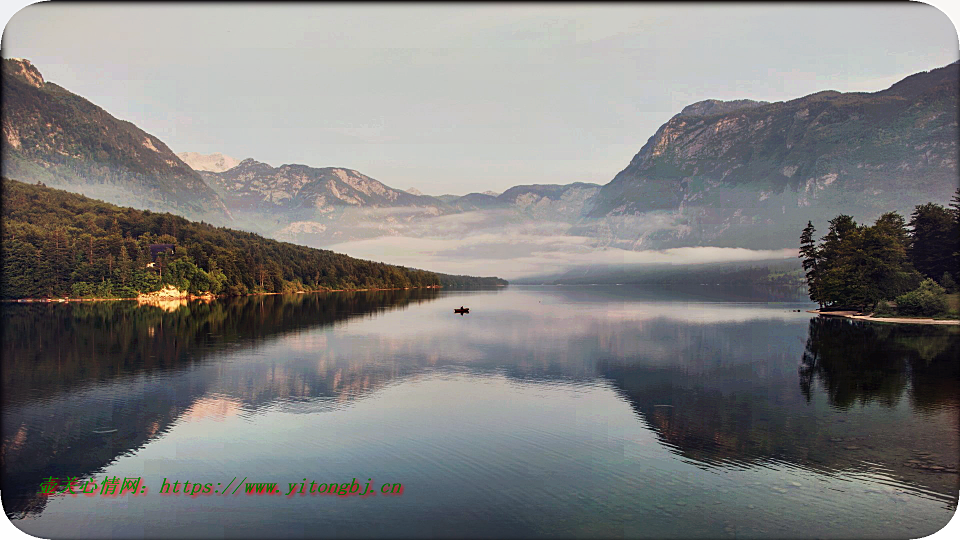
[[892, 271]]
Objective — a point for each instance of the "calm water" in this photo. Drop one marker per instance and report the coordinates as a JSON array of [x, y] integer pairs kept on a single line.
[[546, 411]]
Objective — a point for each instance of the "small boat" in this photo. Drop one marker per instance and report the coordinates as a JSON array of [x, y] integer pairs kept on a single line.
[[461, 310]]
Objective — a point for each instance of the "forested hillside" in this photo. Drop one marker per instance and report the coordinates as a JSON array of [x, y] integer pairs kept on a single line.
[[59, 244]]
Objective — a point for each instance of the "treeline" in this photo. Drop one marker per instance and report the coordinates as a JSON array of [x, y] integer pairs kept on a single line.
[[59, 244], [912, 263]]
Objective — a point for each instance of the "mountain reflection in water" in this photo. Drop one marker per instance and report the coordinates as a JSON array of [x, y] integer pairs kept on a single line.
[[721, 383], [71, 369]]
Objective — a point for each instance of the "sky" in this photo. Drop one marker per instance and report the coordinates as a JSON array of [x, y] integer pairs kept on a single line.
[[458, 98]]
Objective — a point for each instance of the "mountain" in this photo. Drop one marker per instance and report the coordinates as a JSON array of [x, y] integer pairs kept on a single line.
[[737, 173], [329, 205], [215, 162], [536, 193], [747, 173], [569, 198], [475, 201], [254, 185], [53, 136]]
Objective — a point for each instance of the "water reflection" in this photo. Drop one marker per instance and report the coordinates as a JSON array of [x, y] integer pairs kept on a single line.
[[712, 378], [70, 370], [730, 409], [858, 362]]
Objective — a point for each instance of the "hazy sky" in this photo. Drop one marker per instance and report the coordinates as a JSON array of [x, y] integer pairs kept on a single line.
[[454, 99]]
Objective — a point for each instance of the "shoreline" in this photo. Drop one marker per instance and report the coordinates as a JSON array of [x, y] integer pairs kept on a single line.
[[856, 315], [142, 299]]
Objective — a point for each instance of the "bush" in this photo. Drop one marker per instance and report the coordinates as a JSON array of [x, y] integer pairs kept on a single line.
[[948, 283], [884, 309], [124, 292], [929, 300], [82, 289]]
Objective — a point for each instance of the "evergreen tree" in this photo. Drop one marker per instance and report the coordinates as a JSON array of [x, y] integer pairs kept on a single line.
[[810, 254], [933, 240], [885, 256], [955, 205], [955, 210], [124, 266], [838, 279]]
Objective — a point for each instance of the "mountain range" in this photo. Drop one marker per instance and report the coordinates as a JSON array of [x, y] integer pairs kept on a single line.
[[719, 173]]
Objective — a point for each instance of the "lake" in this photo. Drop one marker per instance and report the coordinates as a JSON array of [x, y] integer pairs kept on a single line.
[[606, 411]]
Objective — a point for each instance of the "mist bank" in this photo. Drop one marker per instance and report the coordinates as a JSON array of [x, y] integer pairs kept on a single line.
[[784, 274], [524, 253]]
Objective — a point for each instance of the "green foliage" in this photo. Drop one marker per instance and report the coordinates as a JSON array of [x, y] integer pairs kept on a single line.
[[948, 283], [884, 309], [858, 266], [934, 240], [928, 300], [57, 243], [811, 256]]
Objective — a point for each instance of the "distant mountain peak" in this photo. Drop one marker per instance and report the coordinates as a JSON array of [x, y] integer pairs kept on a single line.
[[413, 191], [215, 162], [250, 161], [253, 185], [23, 68], [491, 193], [716, 106]]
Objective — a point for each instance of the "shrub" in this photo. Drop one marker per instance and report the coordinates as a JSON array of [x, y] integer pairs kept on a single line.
[[948, 283], [928, 300], [124, 292], [82, 289], [884, 309]]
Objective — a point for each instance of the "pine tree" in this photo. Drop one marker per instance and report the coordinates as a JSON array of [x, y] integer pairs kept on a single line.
[[837, 276], [955, 205], [810, 254], [124, 266], [955, 210], [933, 241]]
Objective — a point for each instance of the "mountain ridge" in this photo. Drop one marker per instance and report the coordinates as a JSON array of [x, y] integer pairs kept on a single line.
[[778, 164], [62, 139]]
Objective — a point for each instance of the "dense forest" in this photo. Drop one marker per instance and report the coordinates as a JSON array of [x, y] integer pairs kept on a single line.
[[60, 244], [913, 263]]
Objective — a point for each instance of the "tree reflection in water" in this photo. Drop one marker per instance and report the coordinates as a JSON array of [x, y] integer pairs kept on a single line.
[[71, 369], [858, 362]]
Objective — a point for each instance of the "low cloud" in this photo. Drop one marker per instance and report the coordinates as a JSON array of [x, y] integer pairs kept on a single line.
[[517, 256], [542, 239]]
